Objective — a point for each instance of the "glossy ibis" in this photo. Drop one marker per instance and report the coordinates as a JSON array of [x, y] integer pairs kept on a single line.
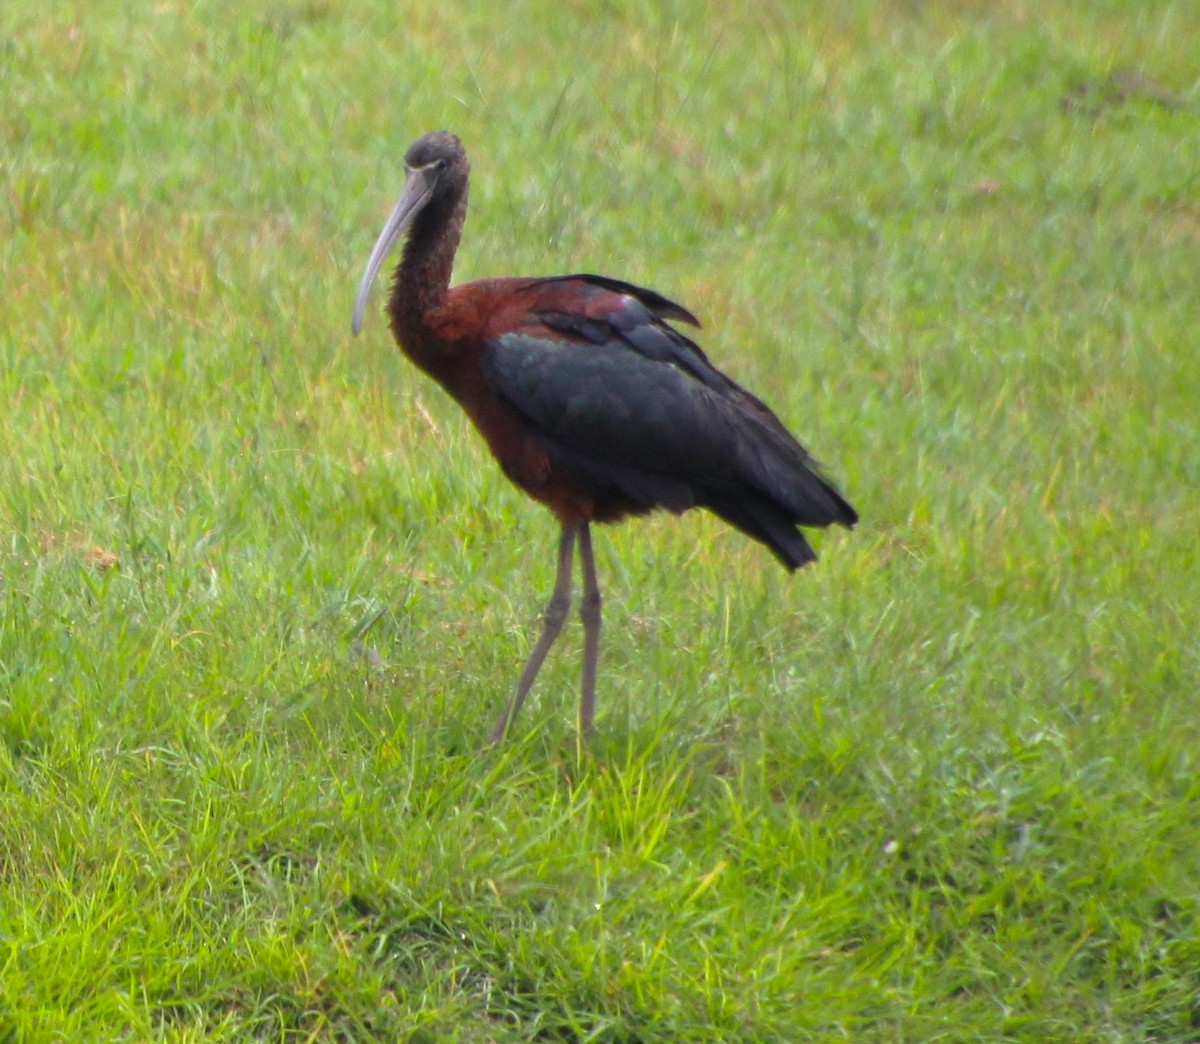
[[591, 402]]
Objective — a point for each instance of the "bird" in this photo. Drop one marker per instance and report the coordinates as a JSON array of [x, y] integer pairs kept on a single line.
[[591, 400]]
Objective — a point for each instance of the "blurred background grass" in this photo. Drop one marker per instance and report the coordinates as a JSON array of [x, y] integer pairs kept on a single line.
[[263, 590]]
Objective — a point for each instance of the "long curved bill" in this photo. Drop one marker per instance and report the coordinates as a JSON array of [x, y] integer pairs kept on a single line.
[[417, 190]]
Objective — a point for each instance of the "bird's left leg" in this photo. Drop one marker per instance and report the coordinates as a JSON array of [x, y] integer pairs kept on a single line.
[[589, 611], [552, 622]]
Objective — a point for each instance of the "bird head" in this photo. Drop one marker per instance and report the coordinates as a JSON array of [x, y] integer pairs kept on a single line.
[[436, 170]]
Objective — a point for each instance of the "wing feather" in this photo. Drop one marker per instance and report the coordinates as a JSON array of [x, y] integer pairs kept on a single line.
[[624, 401]]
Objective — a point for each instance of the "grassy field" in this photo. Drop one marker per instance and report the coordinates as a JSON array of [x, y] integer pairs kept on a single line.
[[263, 591]]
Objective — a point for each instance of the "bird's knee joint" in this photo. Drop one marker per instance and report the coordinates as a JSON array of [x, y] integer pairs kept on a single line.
[[555, 612], [589, 607]]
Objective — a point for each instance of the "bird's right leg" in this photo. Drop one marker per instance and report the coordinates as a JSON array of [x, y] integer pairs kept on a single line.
[[552, 623], [590, 611]]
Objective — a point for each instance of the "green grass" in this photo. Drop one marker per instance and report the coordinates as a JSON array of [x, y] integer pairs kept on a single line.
[[263, 592]]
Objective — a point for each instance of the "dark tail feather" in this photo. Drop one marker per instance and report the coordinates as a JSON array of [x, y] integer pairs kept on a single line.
[[818, 502], [767, 524], [780, 470]]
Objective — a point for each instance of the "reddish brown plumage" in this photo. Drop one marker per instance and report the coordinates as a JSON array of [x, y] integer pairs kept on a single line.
[[447, 342]]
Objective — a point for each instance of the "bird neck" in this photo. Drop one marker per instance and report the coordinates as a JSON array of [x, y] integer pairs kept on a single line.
[[423, 275]]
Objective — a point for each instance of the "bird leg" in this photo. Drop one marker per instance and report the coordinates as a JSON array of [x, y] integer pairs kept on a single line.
[[589, 612], [552, 622]]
